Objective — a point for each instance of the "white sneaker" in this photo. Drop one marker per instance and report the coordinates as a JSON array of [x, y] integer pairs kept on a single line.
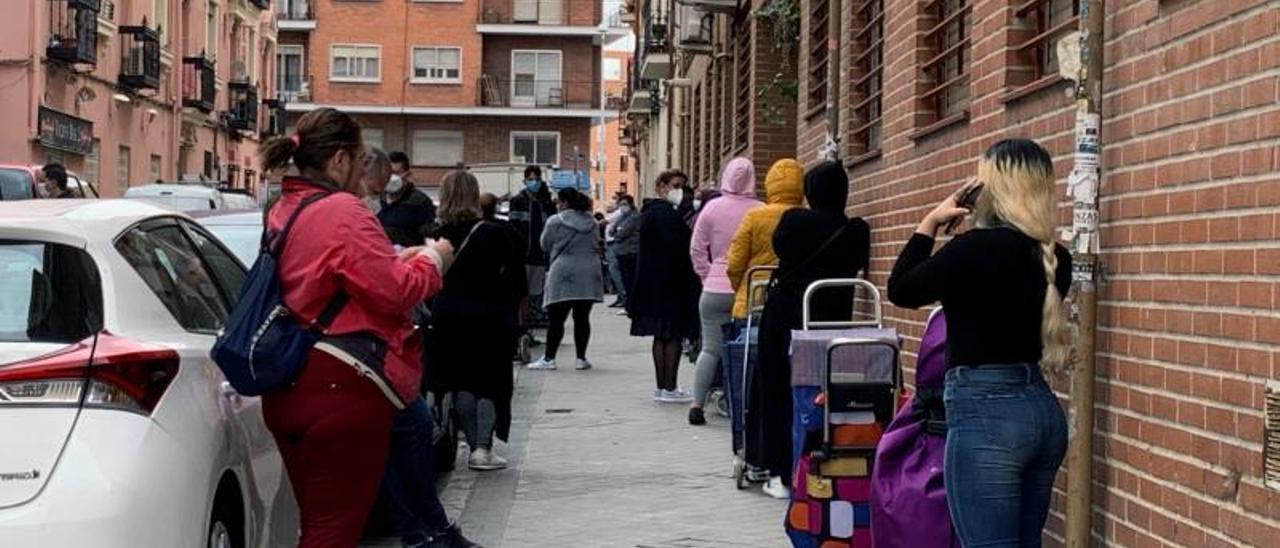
[[621, 312], [485, 459], [657, 395], [775, 488], [675, 396], [582, 365], [543, 364]]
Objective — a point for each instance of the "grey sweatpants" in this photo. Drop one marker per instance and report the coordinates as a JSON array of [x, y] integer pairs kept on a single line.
[[716, 309]]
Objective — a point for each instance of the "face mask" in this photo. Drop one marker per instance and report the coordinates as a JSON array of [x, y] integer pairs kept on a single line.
[[394, 185], [675, 196], [624, 208], [532, 185], [697, 205]]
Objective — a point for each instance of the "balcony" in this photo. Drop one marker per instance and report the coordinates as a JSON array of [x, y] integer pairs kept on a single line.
[[295, 15], [294, 88], [615, 102], [140, 58], [199, 84], [565, 18], [641, 103], [243, 112], [73, 32], [277, 117], [655, 50], [712, 6], [539, 94]]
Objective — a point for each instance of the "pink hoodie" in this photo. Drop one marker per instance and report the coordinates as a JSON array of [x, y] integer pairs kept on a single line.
[[718, 222]]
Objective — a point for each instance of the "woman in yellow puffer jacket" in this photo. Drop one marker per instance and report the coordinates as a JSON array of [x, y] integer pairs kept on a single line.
[[753, 243]]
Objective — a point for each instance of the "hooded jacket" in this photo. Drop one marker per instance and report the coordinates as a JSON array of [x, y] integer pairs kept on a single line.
[[752, 244], [717, 223], [572, 241], [529, 213]]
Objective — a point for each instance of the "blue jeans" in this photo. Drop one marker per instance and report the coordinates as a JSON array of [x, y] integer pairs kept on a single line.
[[1006, 438], [615, 272], [409, 484]]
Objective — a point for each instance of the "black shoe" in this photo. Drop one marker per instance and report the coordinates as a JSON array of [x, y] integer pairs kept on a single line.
[[696, 417], [450, 538]]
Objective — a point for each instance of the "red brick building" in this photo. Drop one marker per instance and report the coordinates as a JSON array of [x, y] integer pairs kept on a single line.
[[1189, 328], [451, 82]]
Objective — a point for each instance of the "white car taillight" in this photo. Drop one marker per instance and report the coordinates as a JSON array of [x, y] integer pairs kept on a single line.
[[114, 373]]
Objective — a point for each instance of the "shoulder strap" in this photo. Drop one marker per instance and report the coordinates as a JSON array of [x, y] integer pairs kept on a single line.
[[466, 240], [804, 265], [274, 243]]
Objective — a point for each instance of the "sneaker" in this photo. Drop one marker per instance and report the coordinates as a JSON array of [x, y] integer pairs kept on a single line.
[[696, 417], [483, 459], [621, 312], [543, 364], [450, 538], [618, 304], [582, 364], [775, 488], [675, 396], [657, 395]]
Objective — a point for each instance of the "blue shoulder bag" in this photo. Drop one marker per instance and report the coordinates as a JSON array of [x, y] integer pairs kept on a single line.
[[263, 345]]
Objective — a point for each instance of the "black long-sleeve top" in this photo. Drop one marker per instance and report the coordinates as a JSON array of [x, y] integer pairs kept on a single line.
[[991, 283]]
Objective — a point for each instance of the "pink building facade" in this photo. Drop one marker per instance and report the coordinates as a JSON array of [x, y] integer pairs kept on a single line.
[[128, 92]]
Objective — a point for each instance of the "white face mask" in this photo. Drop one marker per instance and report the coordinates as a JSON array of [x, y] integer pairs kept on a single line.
[[697, 205], [394, 185], [675, 196]]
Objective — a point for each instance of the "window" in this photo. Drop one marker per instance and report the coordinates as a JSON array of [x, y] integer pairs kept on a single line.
[[122, 167], [157, 166], [868, 77], [742, 110], [228, 273], [535, 78], [442, 65], [535, 147], [437, 147], [1048, 20], [209, 162], [612, 69], [948, 70], [289, 69], [48, 293], [160, 18], [353, 63], [211, 31], [372, 136], [622, 162], [92, 171], [819, 14], [167, 261]]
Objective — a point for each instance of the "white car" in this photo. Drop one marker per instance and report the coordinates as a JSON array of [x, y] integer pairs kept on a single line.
[[182, 197], [118, 430]]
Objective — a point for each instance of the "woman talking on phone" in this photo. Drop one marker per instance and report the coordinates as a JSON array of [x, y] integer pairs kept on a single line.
[[1002, 285]]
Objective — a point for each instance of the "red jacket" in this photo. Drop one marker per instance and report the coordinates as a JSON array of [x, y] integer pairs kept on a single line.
[[338, 244]]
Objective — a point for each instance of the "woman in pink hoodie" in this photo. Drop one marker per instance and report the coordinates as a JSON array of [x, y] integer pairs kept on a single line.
[[717, 223]]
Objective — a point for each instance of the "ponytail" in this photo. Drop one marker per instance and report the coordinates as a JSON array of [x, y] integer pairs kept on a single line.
[[1055, 333], [277, 153]]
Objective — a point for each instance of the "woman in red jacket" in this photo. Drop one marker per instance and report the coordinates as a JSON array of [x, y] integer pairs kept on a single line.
[[333, 424]]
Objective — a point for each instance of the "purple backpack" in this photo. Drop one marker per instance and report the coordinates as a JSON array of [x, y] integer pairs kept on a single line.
[[908, 498]]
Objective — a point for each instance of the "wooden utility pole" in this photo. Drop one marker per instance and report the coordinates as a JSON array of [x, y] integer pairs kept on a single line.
[[834, 10], [1083, 186]]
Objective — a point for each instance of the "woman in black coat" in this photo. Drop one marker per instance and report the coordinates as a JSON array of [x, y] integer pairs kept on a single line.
[[811, 244], [473, 318], [664, 301]]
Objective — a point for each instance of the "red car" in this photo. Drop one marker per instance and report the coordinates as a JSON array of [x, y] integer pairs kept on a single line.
[[18, 182]]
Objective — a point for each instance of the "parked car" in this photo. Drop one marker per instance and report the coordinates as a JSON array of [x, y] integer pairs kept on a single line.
[[119, 431], [239, 199], [242, 232], [18, 182], [182, 197]]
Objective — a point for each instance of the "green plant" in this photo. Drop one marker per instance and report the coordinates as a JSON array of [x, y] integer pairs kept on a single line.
[[781, 85], [783, 20]]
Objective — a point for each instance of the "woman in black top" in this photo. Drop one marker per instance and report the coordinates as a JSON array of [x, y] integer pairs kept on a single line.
[[1001, 284], [664, 301], [812, 244], [473, 319]]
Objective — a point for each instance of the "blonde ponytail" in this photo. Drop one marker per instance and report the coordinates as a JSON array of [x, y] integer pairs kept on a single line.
[[1055, 332]]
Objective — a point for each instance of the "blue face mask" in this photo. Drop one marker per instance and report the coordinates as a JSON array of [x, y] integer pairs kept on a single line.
[[532, 185]]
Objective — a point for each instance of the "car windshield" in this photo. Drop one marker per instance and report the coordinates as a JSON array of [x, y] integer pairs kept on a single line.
[[243, 240], [48, 293], [16, 184]]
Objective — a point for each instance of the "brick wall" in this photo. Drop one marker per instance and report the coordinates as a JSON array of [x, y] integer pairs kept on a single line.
[[1190, 306], [571, 12]]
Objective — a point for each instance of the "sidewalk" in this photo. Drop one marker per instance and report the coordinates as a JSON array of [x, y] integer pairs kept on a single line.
[[596, 463]]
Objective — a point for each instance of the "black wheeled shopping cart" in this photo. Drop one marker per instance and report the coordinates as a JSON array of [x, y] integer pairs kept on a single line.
[[740, 350]]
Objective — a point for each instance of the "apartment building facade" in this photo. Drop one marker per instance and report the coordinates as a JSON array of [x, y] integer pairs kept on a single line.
[[128, 92], [452, 82]]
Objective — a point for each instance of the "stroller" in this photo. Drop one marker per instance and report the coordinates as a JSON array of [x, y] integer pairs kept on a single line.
[[740, 351], [908, 498], [846, 382]]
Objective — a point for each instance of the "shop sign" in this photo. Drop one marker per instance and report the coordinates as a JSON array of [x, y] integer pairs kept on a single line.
[[64, 132]]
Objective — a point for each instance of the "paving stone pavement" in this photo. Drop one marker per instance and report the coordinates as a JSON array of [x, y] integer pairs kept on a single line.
[[596, 463]]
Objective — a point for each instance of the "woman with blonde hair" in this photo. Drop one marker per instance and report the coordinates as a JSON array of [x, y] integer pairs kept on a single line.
[[472, 320], [1002, 285]]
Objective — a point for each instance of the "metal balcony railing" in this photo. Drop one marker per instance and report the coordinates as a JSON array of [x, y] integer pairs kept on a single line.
[[531, 93], [243, 112], [199, 84], [140, 57], [541, 12], [294, 88], [294, 10], [73, 31]]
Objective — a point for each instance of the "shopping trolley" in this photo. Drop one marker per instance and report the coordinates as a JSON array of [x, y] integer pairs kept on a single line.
[[740, 349]]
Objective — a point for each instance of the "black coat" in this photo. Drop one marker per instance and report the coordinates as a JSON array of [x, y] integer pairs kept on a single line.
[[409, 217], [474, 318], [664, 299], [528, 214], [802, 259]]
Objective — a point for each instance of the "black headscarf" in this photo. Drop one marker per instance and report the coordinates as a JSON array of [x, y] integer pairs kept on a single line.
[[827, 187]]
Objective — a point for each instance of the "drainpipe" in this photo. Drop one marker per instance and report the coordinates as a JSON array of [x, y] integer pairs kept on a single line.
[[834, 16], [1083, 186]]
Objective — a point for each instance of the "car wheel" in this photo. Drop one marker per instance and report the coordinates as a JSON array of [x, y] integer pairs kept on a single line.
[[225, 530]]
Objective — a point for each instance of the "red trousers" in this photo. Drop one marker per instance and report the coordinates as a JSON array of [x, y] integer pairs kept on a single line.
[[333, 429]]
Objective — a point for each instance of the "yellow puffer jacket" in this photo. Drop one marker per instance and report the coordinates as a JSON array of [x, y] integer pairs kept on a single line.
[[753, 243]]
